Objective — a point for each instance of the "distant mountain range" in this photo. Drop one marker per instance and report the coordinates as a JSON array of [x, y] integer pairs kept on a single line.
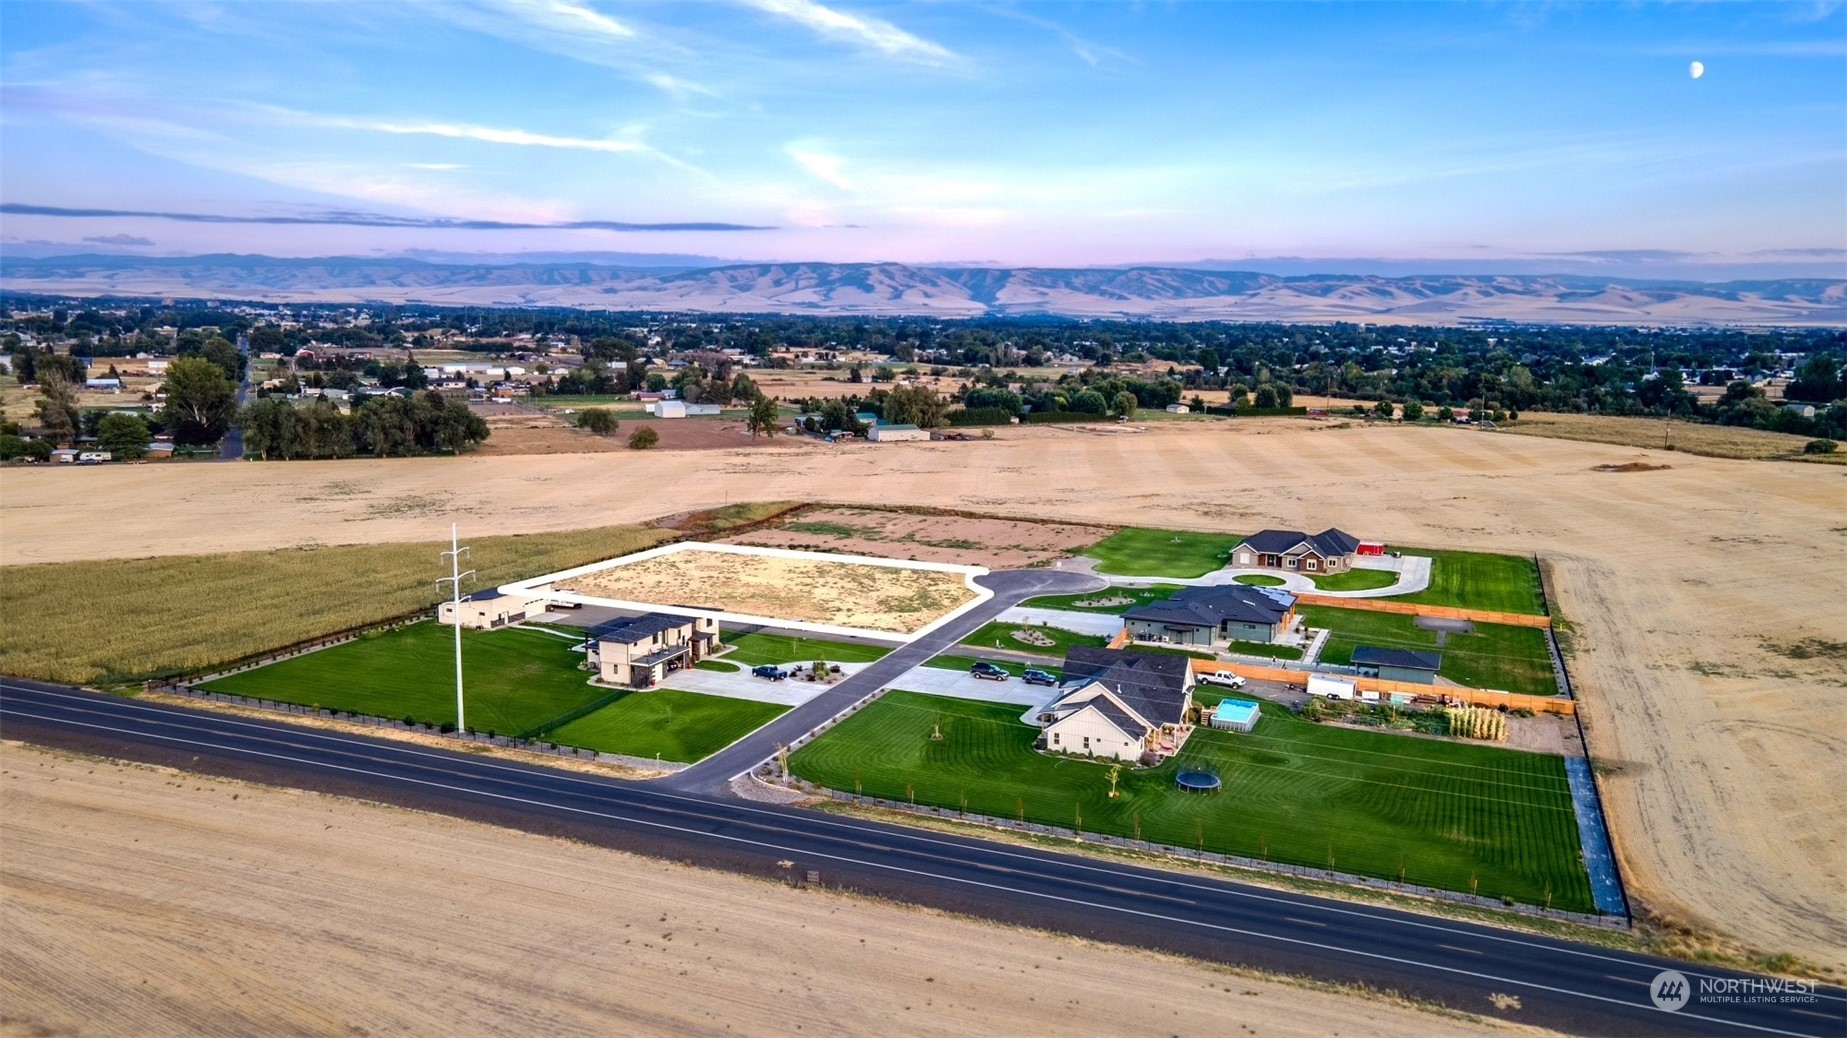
[[1160, 293]]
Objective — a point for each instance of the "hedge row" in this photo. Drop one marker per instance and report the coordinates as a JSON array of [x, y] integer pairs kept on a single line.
[[979, 416], [1043, 417], [1257, 412]]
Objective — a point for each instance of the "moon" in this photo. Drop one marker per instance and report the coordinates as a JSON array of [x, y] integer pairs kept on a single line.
[[1697, 69]]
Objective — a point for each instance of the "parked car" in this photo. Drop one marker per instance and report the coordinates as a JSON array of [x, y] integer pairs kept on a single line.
[[770, 671], [1038, 677], [984, 669], [1222, 677]]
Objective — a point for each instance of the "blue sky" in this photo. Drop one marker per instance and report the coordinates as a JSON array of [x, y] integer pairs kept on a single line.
[[1564, 136]]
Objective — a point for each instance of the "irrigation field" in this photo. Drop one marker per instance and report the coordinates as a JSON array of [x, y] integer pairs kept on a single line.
[[1514, 659], [1431, 812]]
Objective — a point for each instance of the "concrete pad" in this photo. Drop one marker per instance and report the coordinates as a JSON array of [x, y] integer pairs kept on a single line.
[[1105, 624], [742, 685], [959, 684]]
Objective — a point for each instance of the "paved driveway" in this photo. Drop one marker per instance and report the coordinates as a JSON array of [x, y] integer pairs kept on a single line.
[[1105, 624], [742, 685], [959, 684]]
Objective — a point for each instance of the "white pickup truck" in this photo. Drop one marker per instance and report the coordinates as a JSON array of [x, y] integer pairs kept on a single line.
[[1222, 677]]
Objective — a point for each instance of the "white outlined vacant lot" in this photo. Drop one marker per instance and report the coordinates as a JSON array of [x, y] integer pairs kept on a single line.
[[854, 595]]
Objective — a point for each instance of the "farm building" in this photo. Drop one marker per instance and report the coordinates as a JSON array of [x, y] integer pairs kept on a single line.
[[866, 418], [1178, 409], [1236, 715], [1211, 616], [1330, 551], [640, 651], [894, 433], [1120, 704], [103, 385], [160, 452], [668, 409], [1399, 664], [486, 610], [65, 455]]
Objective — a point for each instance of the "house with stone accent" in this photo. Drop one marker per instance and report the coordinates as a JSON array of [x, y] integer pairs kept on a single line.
[[1330, 551]]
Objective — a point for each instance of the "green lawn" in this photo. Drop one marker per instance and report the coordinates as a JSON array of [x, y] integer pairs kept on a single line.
[[1266, 650], [755, 648], [1473, 580], [1162, 553], [1140, 595], [1514, 659], [950, 661], [1259, 580], [515, 680], [668, 724], [717, 665], [999, 635], [1437, 812], [1355, 580]]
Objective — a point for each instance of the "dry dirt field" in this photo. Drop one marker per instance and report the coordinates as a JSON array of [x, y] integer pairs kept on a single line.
[[524, 430], [1718, 441], [139, 901], [994, 543], [1706, 597], [845, 594]]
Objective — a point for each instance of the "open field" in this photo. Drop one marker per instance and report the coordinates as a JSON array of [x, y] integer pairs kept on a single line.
[[1162, 553], [523, 429], [515, 681], [1512, 659], [1476, 580], [106, 929], [995, 543], [843, 594], [756, 647], [1716, 441], [666, 724], [1442, 811], [1696, 593]]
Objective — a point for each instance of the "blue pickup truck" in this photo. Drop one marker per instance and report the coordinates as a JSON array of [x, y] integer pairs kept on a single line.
[[770, 671]]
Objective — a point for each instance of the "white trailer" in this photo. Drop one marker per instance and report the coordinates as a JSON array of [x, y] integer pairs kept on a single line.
[[1329, 688]]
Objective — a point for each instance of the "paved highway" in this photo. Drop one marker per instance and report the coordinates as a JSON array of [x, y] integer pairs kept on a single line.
[[1572, 987], [231, 448]]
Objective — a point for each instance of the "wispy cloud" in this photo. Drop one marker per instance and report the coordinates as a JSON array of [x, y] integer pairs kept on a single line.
[[831, 168], [1088, 51], [862, 30], [349, 218], [578, 17], [489, 134], [119, 239]]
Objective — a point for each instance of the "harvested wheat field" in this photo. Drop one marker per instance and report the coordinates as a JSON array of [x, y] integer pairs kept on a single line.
[[1705, 599], [994, 543], [140, 901], [843, 594]]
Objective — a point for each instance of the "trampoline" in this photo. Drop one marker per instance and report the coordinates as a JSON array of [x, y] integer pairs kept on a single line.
[[1197, 782]]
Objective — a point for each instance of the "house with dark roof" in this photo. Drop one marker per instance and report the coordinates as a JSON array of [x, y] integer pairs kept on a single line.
[[1399, 664], [1330, 551], [1214, 616], [1120, 704], [640, 651]]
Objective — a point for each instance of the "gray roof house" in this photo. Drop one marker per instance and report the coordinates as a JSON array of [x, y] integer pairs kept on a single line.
[[1212, 615], [1330, 551], [1120, 704], [1400, 664]]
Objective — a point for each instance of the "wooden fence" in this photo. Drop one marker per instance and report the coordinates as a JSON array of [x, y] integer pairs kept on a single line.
[[1488, 697], [1381, 605]]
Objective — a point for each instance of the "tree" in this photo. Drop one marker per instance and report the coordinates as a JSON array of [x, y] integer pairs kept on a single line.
[[1124, 404], [599, 420], [914, 405], [1445, 414], [200, 401], [1089, 402], [124, 436], [223, 353], [1413, 411], [1384, 409], [1820, 447], [1265, 396], [763, 417], [1819, 381], [643, 438], [742, 388], [57, 408]]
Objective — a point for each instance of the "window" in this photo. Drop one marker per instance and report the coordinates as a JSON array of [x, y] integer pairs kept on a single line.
[[1291, 563], [1087, 742], [1054, 738], [1313, 565]]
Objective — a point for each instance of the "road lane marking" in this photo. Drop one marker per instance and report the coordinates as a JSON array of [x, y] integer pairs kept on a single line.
[[1304, 922], [891, 831], [783, 848], [1458, 948]]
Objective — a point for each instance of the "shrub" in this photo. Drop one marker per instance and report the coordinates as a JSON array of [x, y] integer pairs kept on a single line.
[[599, 420], [643, 438], [1820, 447]]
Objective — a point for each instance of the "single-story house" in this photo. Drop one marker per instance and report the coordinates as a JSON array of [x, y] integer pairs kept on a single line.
[[486, 610], [1399, 664], [1120, 704], [159, 452], [1178, 409], [894, 433], [1800, 409], [1214, 616], [1330, 551], [640, 651]]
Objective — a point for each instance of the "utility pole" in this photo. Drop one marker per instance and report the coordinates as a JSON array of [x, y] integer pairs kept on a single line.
[[454, 580]]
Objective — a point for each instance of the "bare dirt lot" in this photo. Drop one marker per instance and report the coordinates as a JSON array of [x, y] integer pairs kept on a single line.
[[141, 901], [516, 429], [1705, 598], [878, 598], [995, 543], [1718, 441]]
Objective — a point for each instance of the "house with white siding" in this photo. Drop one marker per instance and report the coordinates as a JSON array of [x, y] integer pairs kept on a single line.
[[1119, 704]]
